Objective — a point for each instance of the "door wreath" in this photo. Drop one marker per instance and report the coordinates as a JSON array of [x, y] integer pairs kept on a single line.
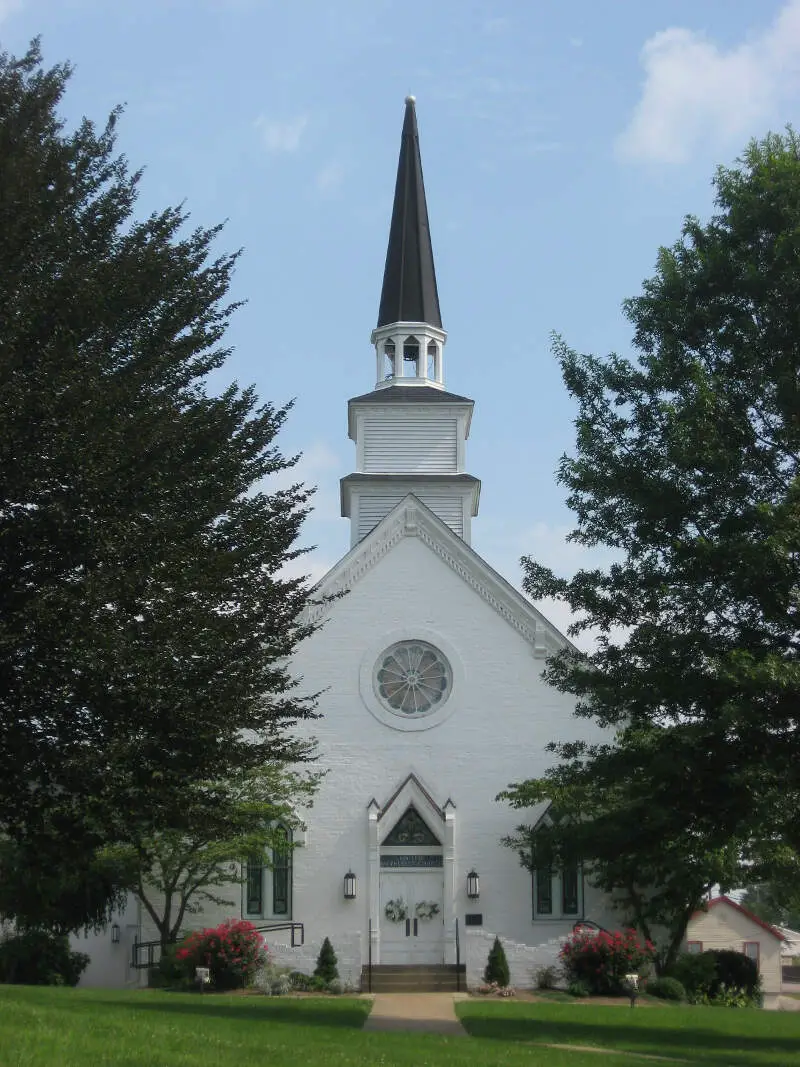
[[426, 909], [396, 910]]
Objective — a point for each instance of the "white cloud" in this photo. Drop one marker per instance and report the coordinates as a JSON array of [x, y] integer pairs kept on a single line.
[[8, 8], [310, 566], [697, 93], [280, 136], [329, 178]]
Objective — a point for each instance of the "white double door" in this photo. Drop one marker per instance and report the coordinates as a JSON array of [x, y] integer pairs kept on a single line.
[[419, 936]]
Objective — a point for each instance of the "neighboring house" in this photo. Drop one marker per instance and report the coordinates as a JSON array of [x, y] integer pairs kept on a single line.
[[430, 670], [726, 924]]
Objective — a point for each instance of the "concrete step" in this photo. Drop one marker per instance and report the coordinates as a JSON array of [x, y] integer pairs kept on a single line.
[[414, 978], [408, 987], [416, 968]]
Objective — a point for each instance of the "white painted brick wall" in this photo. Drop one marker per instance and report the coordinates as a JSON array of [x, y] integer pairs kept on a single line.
[[348, 956], [523, 960]]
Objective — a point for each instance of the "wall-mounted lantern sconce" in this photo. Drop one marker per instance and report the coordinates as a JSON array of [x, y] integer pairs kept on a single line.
[[473, 885], [349, 886], [115, 933]]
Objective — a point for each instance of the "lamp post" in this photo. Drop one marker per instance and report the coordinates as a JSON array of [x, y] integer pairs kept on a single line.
[[473, 885], [349, 886], [115, 933]]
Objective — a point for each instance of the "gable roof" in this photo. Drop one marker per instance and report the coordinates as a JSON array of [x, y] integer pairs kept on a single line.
[[744, 911], [411, 518]]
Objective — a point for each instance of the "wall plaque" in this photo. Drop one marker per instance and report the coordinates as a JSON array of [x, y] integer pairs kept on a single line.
[[410, 860]]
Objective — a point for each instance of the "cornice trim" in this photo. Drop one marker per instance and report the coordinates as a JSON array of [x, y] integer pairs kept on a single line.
[[411, 518]]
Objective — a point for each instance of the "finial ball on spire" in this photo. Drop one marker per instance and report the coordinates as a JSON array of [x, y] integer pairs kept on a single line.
[[411, 99]]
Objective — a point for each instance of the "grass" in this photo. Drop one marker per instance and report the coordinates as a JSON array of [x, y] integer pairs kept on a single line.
[[103, 1028], [716, 1037]]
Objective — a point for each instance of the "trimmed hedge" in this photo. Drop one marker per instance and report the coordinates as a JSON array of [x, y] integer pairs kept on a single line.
[[665, 989], [707, 976]]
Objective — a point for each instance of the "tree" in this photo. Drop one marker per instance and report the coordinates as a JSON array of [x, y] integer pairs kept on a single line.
[[145, 620], [326, 968], [610, 809], [686, 466], [496, 969], [777, 901], [177, 872]]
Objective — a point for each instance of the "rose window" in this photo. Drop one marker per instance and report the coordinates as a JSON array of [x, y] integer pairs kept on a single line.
[[413, 678]]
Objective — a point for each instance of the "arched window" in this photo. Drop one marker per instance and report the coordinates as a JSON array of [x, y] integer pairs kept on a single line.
[[267, 888], [558, 894], [411, 355], [388, 351], [432, 353], [282, 874]]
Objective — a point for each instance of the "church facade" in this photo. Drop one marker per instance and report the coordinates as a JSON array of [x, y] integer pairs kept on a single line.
[[430, 668]]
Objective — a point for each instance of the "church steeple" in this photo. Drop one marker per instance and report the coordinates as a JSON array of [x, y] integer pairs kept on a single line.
[[410, 435], [409, 337], [409, 291]]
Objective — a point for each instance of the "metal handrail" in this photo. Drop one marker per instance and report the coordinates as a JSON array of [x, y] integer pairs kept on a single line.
[[294, 927], [458, 960], [149, 959], [369, 959], [591, 924]]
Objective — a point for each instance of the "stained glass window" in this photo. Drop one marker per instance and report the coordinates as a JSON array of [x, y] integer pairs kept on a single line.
[[544, 891], [411, 829], [569, 891], [281, 874], [255, 886], [413, 678]]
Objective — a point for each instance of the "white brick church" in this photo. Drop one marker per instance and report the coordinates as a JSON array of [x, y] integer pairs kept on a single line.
[[430, 668]]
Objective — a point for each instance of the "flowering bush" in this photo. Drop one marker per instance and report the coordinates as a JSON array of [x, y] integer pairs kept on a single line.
[[233, 952], [602, 959], [492, 989]]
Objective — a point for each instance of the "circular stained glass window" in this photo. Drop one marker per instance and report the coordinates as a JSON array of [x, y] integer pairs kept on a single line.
[[412, 678]]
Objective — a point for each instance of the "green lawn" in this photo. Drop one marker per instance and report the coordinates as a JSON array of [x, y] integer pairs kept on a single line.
[[93, 1028], [717, 1037]]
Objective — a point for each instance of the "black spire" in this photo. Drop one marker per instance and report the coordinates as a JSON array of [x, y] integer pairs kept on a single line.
[[409, 291]]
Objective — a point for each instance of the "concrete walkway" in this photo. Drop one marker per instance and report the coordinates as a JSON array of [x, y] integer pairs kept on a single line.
[[431, 1013]]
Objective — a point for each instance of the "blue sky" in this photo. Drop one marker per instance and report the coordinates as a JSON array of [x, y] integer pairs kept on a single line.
[[562, 142]]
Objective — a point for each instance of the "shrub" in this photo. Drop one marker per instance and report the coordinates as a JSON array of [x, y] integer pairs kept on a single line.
[[666, 989], [309, 983], [734, 970], [696, 971], [602, 959], [497, 965], [38, 957], [578, 988], [546, 977], [233, 952], [281, 985], [299, 981], [326, 963], [169, 972], [718, 976], [494, 990]]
